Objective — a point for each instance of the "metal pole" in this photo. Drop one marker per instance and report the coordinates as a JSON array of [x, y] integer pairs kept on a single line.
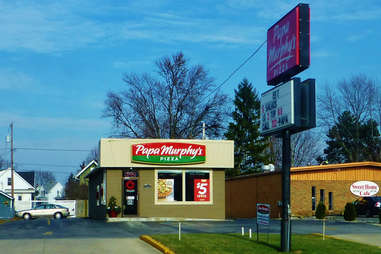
[[179, 231], [12, 169], [203, 130], [286, 165]]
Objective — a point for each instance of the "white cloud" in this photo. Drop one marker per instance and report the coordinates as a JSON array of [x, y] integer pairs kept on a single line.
[[42, 123], [11, 80], [359, 36], [54, 27], [320, 53], [46, 28]]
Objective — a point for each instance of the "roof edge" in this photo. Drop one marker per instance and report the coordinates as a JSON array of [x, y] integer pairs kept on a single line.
[[336, 166]]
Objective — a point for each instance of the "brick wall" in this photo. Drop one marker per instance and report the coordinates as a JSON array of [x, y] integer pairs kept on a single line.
[[301, 195]]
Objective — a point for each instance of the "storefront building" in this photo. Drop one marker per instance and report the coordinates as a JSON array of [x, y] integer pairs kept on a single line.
[[334, 185], [161, 178]]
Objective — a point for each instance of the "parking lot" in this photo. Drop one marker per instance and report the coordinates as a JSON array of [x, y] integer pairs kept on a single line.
[[91, 236]]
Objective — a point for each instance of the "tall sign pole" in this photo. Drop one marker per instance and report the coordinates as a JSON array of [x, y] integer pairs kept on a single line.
[[289, 107], [12, 168], [286, 211]]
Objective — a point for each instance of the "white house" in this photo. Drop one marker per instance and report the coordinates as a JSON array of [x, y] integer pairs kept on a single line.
[[56, 192], [23, 190]]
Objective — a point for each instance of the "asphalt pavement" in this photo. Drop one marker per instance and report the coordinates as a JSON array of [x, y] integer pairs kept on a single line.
[[92, 236]]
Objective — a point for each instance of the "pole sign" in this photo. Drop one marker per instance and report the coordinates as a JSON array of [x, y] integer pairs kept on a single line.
[[263, 214], [288, 45], [364, 188], [168, 153], [288, 106], [277, 108]]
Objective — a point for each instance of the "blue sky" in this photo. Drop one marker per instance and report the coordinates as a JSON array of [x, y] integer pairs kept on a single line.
[[58, 59]]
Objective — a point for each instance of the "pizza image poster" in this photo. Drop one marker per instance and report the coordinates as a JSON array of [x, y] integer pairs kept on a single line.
[[165, 190]]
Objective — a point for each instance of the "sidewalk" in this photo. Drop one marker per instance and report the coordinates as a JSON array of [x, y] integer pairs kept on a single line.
[[370, 239]]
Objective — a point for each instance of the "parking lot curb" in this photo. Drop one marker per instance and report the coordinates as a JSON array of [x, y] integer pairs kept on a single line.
[[156, 244]]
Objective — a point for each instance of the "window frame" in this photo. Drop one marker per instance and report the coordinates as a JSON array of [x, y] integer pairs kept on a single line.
[[330, 201], [313, 195], [183, 173], [322, 196]]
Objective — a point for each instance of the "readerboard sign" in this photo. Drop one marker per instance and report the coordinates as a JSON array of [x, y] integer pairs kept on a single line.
[[277, 108], [288, 106], [263, 214], [288, 45]]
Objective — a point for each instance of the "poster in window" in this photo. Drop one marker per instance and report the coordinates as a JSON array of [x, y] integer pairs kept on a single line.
[[201, 190], [165, 190], [97, 195]]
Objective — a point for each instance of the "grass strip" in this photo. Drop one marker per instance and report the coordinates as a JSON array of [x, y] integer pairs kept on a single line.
[[235, 243]]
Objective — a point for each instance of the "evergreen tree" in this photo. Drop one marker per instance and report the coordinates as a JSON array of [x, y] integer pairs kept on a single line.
[[351, 140], [249, 147]]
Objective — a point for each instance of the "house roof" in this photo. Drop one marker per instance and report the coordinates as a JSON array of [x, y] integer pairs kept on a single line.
[[27, 185], [93, 162], [28, 176], [5, 194], [337, 166]]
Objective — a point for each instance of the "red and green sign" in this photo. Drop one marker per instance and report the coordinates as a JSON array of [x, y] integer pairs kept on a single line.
[[170, 153]]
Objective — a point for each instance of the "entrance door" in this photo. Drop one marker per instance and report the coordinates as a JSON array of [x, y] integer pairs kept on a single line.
[[130, 196]]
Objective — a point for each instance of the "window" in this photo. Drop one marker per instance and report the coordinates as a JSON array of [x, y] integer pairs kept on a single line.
[[330, 201], [313, 198], [19, 198], [9, 181], [322, 195], [183, 186], [197, 186], [170, 186]]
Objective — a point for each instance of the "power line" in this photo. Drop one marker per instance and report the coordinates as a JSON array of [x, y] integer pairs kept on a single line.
[[236, 70], [51, 149], [48, 165]]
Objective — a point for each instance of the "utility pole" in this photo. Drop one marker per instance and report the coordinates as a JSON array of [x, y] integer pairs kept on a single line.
[[12, 169]]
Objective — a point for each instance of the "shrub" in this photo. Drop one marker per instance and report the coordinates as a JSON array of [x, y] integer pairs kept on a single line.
[[350, 213], [379, 217], [320, 211]]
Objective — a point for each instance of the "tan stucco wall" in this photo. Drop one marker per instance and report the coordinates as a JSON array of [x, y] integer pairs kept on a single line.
[[114, 186], [117, 153], [147, 207]]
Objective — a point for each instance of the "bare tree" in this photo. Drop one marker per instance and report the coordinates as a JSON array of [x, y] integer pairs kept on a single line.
[[306, 146], [171, 106], [3, 163], [358, 95], [93, 155], [45, 178]]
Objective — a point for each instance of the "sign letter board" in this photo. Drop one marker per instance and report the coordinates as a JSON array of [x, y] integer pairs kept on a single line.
[[288, 106], [288, 45]]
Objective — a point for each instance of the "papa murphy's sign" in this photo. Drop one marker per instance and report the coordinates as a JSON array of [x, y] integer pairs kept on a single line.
[[364, 188], [168, 153], [288, 45]]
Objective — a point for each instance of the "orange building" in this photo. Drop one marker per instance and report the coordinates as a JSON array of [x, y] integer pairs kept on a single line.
[[309, 185]]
